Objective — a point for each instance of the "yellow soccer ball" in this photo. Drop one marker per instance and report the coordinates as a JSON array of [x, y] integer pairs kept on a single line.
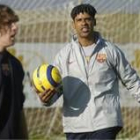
[[45, 77]]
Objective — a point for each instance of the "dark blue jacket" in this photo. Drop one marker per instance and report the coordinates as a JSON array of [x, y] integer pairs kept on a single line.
[[11, 98]]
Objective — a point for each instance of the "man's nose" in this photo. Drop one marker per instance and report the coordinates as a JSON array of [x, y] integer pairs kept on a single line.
[[84, 22], [14, 26]]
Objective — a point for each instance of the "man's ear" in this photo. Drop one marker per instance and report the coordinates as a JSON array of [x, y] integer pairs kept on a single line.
[[73, 25]]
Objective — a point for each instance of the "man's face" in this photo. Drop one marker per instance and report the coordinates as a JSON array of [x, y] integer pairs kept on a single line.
[[84, 25], [7, 35]]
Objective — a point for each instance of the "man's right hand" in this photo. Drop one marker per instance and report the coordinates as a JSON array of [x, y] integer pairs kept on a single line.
[[46, 95]]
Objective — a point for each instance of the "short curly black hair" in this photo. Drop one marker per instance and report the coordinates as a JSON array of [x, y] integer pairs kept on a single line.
[[87, 8]]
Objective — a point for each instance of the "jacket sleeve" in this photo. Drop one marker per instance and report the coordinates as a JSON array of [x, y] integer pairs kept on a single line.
[[17, 78], [126, 73], [21, 89]]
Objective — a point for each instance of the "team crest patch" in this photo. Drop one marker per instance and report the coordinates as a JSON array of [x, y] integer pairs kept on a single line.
[[101, 57], [5, 69]]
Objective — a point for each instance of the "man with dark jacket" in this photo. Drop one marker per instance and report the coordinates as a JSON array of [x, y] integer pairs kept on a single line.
[[12, 121]]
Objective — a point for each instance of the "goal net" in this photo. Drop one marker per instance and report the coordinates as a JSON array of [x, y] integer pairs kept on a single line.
[[45, 27]]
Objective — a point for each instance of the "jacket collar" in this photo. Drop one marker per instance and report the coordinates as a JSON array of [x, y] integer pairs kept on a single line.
[[79, 53]]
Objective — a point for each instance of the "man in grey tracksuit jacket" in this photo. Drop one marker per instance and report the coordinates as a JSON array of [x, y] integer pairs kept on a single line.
[[91, 86], [91, 92]]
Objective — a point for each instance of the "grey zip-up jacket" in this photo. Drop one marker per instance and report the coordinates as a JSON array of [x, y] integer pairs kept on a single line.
[[91, 91]]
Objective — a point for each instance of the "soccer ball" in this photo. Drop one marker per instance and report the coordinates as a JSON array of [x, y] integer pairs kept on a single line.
[[45, 77]]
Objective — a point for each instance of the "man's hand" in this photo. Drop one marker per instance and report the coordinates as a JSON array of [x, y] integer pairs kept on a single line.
[[47, 95]]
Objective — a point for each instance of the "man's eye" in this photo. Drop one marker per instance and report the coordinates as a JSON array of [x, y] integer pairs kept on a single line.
[[88, 19], [79, 19]]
